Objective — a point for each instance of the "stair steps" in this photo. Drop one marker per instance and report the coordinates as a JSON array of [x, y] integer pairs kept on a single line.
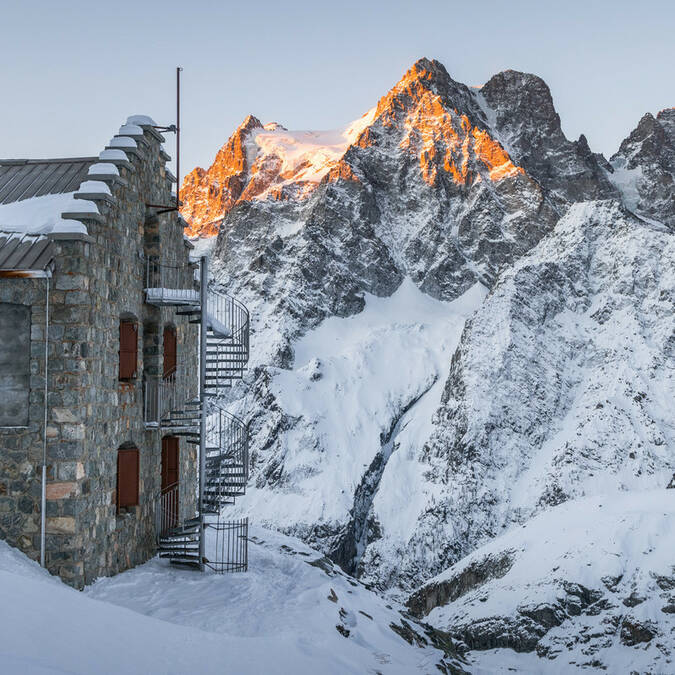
[[226, 454]]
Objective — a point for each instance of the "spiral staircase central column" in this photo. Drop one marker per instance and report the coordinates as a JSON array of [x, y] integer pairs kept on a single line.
[[203, 327]]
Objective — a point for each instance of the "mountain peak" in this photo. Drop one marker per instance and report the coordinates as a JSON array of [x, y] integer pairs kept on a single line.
[[529, 92], [427, 69], [250, 122]]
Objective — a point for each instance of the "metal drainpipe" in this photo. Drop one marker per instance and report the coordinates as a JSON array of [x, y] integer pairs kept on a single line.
[[43, 505], [204, 279]]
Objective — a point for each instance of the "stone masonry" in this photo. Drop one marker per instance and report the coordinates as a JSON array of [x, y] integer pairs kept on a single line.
[[97, 280]]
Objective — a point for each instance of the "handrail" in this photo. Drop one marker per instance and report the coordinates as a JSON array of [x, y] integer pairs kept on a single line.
[[162, 395], [169, 510], [166, 282], [228, 338], [229, 434]]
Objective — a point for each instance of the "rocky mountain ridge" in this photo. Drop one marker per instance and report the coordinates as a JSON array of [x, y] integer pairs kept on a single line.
[[461, 319]]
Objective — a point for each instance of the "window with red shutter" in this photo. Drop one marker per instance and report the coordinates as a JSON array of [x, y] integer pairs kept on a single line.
[[127, 478], [128, 349], [169, 352]]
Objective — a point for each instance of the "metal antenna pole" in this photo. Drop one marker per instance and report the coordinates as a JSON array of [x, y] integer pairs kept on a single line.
[[203, 326], [178, 69]]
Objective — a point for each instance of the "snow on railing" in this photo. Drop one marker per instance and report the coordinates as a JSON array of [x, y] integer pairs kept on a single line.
[[167, 283]]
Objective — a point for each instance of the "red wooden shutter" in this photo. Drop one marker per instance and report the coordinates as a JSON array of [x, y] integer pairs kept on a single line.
[[128, 349], [169, 351], [127, 477]]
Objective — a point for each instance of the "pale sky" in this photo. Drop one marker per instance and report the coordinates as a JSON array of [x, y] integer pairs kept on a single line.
[[73, 70]]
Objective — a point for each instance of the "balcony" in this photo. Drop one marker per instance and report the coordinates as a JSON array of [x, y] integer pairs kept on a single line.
[[168, 284]]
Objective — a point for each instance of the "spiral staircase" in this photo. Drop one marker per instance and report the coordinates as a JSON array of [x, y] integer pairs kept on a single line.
[[176, 406]]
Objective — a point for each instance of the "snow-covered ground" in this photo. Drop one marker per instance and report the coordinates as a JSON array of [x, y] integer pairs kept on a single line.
[[579, 585], [293, 612], [591, 581]]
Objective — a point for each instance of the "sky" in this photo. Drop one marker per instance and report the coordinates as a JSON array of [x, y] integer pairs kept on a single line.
[[73, 70]]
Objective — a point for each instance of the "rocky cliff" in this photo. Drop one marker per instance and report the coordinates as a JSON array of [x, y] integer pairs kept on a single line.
[[643, 167]]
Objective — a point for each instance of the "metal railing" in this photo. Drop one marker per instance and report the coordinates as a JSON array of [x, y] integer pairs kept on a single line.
[[170, 511], [227, 457], [168, 283], [162, 395], [228, 339], [229, 551]]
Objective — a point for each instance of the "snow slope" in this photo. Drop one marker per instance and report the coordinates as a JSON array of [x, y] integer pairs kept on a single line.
[[362, 389], [587, 583], [292, 613], [304, 155]]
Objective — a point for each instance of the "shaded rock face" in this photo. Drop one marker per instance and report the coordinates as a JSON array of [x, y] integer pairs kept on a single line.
[[439, 593], [529, 126], [546, 389], [644, 167]]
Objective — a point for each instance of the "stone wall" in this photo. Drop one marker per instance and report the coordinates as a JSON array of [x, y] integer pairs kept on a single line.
[[21, 447], [97, 280]]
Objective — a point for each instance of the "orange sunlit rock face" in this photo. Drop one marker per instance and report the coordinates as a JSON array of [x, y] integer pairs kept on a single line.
[[443, 141], [207, 196], [247, 168]]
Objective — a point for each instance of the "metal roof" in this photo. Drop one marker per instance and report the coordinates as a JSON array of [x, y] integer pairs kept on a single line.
[[24, 252], [25, 178]]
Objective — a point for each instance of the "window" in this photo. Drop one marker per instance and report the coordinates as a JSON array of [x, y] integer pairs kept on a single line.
[[169, 352], [128, 349], [127, 478], [14, 364]]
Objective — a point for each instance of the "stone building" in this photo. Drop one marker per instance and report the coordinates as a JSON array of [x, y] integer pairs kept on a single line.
[[88, 361]]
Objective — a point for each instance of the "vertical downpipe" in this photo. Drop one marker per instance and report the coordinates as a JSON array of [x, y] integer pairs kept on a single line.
[[204, 280], [43, 498]]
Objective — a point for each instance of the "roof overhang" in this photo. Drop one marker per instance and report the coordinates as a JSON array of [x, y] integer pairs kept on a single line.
[[25, 256]]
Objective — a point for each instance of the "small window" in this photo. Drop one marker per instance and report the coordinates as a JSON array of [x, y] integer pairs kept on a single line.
[[127, 478], [15, 348], [169, 352], [128, 349]]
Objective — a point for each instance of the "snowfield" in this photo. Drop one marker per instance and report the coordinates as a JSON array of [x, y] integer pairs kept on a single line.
[[293, 612], [303, 155]]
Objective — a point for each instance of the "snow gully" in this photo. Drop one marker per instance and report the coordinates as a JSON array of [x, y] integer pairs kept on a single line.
[[352, 545]]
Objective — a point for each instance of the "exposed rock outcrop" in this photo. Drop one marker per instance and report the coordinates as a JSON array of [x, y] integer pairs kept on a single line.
[[644, 167]]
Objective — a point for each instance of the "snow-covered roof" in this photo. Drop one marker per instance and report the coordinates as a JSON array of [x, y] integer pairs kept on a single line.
[[42, 215], [54, 196]]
